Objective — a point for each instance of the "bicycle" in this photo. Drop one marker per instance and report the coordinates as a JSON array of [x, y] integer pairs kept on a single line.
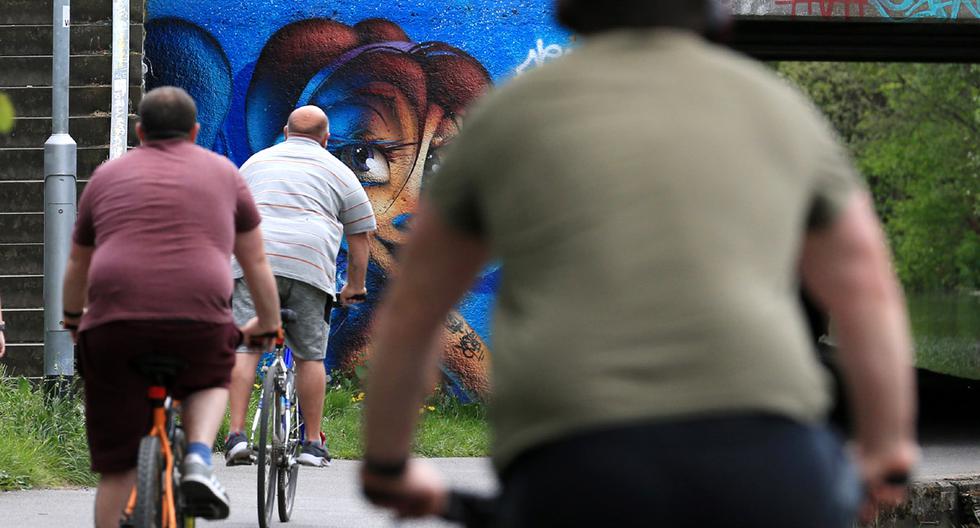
[[277, 433], [156, 501], [278, 430]]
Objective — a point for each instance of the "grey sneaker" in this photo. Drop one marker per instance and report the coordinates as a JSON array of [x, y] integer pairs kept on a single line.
[[237, 451], [314, 454], [204, 496]]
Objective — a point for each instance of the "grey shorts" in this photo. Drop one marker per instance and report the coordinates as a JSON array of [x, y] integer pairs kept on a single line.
[[307, 337]]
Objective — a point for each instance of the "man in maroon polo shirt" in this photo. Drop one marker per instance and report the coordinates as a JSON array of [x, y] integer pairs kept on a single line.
[[150, 268]]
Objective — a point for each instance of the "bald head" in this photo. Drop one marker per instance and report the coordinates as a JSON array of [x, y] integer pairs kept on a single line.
[[308, 121]]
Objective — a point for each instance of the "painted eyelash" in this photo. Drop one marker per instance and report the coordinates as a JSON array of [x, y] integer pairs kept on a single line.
[[388, 148]]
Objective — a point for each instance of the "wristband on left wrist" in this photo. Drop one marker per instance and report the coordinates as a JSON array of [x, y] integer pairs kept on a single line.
[[386, 469]]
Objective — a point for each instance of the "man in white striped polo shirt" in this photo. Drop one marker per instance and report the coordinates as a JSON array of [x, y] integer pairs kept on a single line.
[[309, 200]]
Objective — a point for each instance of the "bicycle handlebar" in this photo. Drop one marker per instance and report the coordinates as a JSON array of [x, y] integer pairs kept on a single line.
[[470, 509], [286, 316], [359, 297]]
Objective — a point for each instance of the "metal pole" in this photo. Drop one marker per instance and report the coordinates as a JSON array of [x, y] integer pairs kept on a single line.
[[120, 79], [59, 205]]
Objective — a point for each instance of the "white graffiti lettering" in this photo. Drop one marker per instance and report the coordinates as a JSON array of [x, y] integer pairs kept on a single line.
[[541, 54]]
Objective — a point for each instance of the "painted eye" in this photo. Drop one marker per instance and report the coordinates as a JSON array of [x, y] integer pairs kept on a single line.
[[369, 163]]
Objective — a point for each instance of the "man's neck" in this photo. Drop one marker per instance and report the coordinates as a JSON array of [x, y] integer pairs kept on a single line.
[[304, 136], [175, 139]]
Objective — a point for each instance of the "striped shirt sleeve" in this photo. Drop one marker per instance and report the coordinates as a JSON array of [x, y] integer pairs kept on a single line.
[[356, 213]]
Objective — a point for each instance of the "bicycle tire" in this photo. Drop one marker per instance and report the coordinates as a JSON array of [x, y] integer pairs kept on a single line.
[[149, 495], [267, 461], [292, 445]]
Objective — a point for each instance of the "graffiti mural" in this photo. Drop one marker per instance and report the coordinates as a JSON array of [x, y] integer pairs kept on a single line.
[[395, 79], [891, 9]]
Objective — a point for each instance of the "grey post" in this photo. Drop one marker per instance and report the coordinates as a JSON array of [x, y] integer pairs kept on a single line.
[[59, 204]]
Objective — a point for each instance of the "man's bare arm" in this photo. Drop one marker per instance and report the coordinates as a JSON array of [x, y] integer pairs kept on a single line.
[[250, 253], [357, 262], [438, 265], [76, 284], [848, 269]]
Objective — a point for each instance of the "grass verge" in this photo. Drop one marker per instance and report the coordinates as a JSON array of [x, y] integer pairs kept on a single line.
[[43, 444], [446, 427], [42, 441]]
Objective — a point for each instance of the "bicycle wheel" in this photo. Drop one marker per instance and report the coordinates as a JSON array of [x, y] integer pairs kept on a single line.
[[147, 513], [267, 460], [292, 445]]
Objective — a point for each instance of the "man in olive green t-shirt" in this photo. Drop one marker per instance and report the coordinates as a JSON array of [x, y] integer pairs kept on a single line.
[[654, 200]]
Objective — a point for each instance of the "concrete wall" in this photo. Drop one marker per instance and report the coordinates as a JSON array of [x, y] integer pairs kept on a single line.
[[25, 77]]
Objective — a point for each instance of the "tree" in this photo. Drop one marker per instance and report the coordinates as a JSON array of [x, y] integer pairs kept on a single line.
[[914, 130]]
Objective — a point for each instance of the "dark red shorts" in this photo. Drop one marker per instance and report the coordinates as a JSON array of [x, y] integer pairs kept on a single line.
[[117, 410]]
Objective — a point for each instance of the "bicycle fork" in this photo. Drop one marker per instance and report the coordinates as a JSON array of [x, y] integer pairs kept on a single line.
[[158, 395]]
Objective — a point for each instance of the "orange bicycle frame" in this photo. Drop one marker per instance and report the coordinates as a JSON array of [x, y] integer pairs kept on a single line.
[[169, 511]]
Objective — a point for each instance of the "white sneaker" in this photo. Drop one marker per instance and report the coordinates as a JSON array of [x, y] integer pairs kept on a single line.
[[204, 496]]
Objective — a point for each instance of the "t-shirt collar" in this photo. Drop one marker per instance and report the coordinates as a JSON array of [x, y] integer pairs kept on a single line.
[[300, 139]]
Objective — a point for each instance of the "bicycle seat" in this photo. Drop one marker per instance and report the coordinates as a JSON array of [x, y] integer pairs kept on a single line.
[[157, 367]]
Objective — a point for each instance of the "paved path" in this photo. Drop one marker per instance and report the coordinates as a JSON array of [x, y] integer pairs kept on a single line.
[[329, 497], [326, 497]]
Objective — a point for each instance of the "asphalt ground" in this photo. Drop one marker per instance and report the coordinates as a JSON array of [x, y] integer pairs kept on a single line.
[[329, 497], [326, 497]]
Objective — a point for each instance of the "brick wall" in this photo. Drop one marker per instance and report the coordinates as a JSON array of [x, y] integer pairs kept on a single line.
[[25, 76]]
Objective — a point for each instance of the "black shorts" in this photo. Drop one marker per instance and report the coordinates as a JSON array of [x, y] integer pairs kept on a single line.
[[117, 410]]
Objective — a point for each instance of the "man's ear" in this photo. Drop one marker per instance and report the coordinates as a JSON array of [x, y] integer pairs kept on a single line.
[[140, 133], [285, 132], [192, 135], [326, 137]]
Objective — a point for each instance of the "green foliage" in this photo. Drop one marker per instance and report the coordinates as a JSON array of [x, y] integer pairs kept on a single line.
[[914, 130], [42, 441], [446, 427]]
